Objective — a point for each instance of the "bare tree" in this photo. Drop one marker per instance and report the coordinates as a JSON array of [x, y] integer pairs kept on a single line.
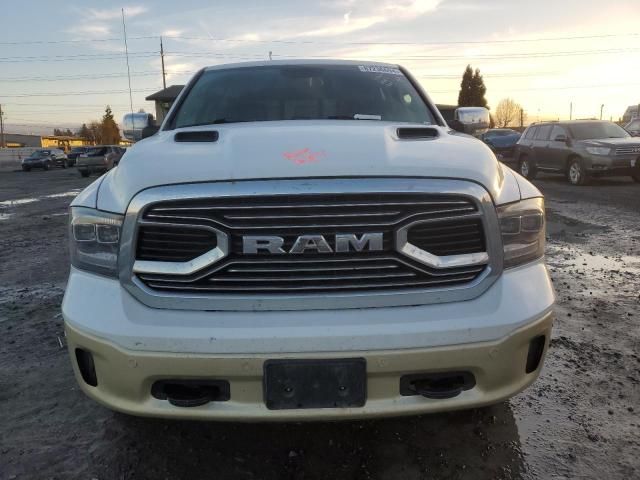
[[507, 112]]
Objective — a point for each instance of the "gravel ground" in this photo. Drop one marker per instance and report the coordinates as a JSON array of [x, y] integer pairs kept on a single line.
[[579, 420]]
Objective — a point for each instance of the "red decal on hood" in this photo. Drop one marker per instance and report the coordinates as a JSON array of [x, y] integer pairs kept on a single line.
[[305, 155]]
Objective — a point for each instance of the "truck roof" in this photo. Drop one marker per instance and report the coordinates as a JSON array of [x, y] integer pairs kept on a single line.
[[265, 63]]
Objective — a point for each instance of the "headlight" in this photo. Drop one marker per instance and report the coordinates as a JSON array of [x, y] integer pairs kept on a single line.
[[94, 238], [522, 226], [598, 150]]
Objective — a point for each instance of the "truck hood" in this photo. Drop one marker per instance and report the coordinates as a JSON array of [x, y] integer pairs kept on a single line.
[[299, 149]]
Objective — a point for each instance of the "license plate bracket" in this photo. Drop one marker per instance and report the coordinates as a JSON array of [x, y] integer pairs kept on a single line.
[[308, 383]]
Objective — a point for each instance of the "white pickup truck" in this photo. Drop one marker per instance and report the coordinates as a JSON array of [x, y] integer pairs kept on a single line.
[[306, 240]]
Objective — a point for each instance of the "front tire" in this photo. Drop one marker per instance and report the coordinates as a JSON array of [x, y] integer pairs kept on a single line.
[[576, 173], [47, 166], [527, 168]]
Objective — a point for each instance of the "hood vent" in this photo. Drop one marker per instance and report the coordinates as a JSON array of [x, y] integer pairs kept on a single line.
[[197, 136], [417, 133]]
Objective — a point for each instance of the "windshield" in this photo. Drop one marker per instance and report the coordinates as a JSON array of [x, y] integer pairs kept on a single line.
[[305, 92], [41, 153], [78, 150], [96, 151], [596, 130]]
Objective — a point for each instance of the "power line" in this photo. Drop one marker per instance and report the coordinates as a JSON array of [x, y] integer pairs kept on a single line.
[[60, 78], [47, 125], [90, 92], [567, 87], [458, 42], [74, 58], [523, 55], [65, 104], [327, 42], [149, 73], [260, 55], [84, 40]]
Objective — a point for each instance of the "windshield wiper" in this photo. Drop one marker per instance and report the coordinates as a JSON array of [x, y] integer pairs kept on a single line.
[[355, 116], [217, 121]]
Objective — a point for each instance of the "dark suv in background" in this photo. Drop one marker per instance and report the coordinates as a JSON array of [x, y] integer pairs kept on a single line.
[[579, 149]]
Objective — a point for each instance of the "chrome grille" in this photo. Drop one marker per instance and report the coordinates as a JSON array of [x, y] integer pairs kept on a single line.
[[177, 243], [299, 211], [312, 275], [628, 150], [452, 237], [452, 226]]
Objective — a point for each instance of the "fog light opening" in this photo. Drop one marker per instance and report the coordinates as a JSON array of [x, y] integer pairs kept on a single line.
[[536, 349], [86, 367]]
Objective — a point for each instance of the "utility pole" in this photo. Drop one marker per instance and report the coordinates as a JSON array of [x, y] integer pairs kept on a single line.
[[601, 108], [1, 127], [126, 51], [164, 74], [571, 111], [521, 117]]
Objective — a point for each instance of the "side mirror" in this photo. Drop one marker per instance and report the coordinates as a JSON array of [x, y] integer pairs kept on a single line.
[[136, 126], [560, 138], [150, 130], [456, 125], [471, 120]]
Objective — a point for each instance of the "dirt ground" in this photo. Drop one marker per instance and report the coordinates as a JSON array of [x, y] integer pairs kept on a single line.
[[579, 420]]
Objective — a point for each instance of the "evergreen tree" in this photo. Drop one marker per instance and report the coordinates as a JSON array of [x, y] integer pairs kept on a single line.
[[479, 90], [465, 97], [472, 89], [110, 132]]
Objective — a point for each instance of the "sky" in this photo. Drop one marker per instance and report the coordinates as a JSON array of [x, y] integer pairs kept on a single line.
[[61, 63]]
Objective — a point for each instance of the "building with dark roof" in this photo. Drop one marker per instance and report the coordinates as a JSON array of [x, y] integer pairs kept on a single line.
[[164, 99]]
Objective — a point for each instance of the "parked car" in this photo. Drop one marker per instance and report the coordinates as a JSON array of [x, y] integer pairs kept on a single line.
[[74, 154], [305, 241], [633, 127], [579, 149], [45, 158], [502, 141], [99, 159]]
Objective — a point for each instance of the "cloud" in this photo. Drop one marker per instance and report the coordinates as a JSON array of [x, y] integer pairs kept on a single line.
[[349, 25], [177, 70], [111, 14], [363, 16], [98, 30], [411, 8], [172, 32], [98, 23]]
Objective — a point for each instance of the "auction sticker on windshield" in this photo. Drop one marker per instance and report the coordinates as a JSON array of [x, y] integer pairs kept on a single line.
[[379, 69]]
